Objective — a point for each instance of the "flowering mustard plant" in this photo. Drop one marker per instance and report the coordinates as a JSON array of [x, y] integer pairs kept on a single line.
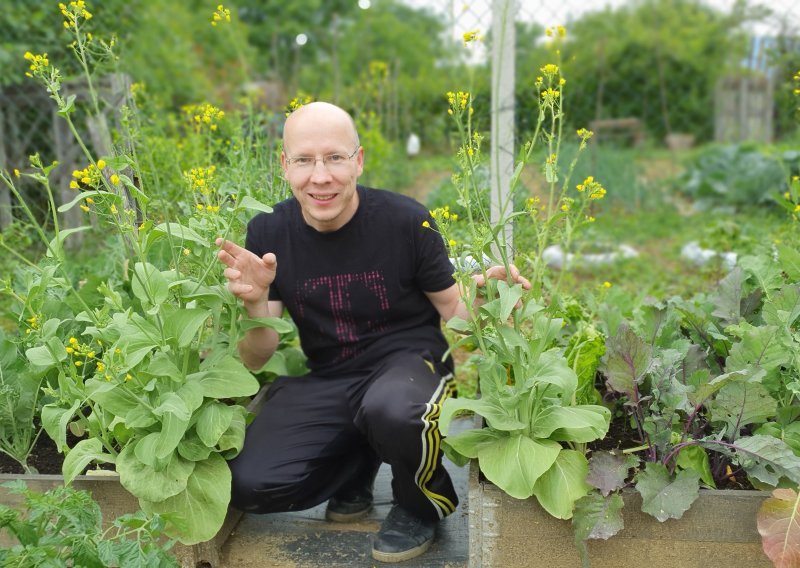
[[538, 416]]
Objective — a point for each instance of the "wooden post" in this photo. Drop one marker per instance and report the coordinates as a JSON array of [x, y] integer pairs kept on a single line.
[[502, 105]]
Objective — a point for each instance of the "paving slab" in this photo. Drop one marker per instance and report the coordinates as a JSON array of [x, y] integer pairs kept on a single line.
[[304, 539]]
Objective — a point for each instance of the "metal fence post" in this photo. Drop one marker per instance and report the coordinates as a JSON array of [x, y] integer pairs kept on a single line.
[[502, 105]]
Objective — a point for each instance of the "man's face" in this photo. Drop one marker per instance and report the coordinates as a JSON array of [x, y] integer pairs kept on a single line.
[[322, 161]]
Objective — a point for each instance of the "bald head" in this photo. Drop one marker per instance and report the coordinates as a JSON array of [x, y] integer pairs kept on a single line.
[[319, 120]]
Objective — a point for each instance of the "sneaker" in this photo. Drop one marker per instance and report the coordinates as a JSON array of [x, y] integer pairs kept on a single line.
[[354, 500], [402, 536], [350, 506]]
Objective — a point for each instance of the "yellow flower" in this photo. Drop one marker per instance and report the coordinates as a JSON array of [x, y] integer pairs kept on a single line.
[[113, 209], [101, 164], [90, 201], [16, 172], [606, 284], [114, 179], [73, 184], [451, 242], [562, 31], [128, 376], [73, 341], [78, 363], [84, 208], [470, 36], [70, 350], [222, 14], [101, 367], [39, 64], [549, 70], [186, 252], [426, 224]]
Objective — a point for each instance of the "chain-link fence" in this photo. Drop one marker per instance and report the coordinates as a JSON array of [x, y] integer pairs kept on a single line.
[[664, 71]]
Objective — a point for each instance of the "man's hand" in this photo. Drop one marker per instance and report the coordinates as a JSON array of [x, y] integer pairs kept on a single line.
[[499, 272], [249, 277]]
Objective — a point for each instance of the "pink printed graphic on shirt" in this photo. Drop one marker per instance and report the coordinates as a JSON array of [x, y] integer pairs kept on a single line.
[[338, 290]]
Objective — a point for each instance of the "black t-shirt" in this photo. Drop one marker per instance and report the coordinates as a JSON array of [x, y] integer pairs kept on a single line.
[[356, 294]]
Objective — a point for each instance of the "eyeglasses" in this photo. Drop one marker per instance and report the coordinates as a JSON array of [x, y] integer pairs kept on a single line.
[[330, 161]]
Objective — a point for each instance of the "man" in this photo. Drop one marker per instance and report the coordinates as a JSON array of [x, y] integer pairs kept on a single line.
[[367, 286]]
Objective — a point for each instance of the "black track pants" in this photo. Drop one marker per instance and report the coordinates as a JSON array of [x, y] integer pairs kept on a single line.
[[315, 434]]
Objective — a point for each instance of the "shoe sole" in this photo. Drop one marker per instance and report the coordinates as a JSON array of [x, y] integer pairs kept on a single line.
[[335, 517], [403, 555]]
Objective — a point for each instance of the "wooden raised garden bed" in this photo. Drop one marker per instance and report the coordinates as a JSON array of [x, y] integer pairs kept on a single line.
[[718, 530]]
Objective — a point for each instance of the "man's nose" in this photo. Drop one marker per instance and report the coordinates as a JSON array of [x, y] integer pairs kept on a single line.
[[319, 171]]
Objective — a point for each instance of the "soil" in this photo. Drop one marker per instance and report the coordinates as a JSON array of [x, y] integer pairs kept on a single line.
[[44, 458]]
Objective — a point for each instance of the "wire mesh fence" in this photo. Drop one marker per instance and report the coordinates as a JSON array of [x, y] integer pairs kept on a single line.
[[668, 72]]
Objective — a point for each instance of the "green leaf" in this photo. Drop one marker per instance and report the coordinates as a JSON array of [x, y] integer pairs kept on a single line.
[[68, 107], [783, 308], [49, 355], [572, 423], [739, 404], [778, 522], [663, 497], [695, 458], [553, 368], [563, 484], [598, 517], [55, 420], [228, 378], [213, 421], [113, 397], [515, 463], [174, 422], [767, 459], [176, 230], [509, 296], [278, 324], [627, 360], [248, 202], [146, 451], [182, 325], [759, 346], [135, 191], [193, 449], [704, 390], [496, 416], [196, 514], [458, 324], [148, 484], [78, 198], [766, 272], [232, 439], [790, 261], [468, 443], [85, 452], [148, 284], [728, 297]]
